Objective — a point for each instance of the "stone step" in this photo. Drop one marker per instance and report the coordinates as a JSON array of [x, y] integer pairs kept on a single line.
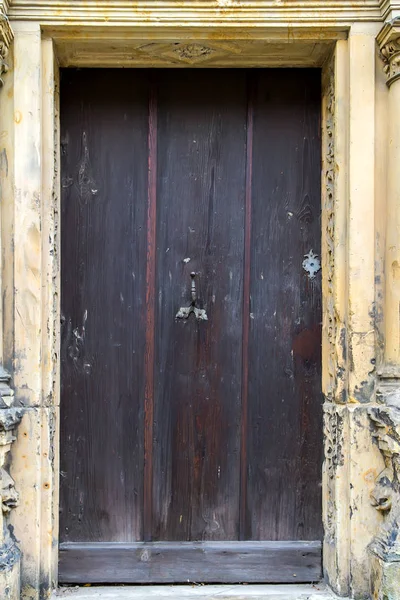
[[197, 592]]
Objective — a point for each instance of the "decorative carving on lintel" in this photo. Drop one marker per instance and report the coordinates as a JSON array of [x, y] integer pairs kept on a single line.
[[385, 496], [6, 36], [389, 44], [191, 53]]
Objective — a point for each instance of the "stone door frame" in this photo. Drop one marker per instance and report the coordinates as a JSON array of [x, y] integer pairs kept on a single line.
[[354, 189]]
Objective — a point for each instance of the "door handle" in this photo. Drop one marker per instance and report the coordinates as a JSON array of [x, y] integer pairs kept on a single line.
[[185, 311]]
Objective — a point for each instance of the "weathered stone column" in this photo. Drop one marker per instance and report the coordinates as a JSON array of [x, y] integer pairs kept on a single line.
[[385, 548], [349, 340], [28, 126], [389, 42], [9, 415]]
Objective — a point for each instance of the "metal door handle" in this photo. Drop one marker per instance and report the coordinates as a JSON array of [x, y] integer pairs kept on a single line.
[[185, 311]]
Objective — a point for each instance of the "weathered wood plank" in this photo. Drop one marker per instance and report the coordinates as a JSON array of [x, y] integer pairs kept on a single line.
[[184, 431], [181, 562], [200, 228], [150, 316], [104, 144], [284, 449]]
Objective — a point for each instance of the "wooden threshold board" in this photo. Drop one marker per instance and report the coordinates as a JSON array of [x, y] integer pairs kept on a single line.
[[183, 562]]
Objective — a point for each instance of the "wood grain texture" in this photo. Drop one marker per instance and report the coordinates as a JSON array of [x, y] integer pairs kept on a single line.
[[246, 305], [103, 267], [209, 562], [150, 313], [201, 181], [179, 431], [285, 398]]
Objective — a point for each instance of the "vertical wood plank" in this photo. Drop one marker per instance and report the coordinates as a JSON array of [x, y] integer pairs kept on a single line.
[[200, 228], [285, 400], [246, 307], [150, 313], [104, 154]]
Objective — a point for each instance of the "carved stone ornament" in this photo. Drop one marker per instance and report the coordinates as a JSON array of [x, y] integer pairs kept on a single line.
[[193, 51], [390, 51], [385, 497], [386, 493], [333, 457], [329, 193], [391, 59], [3, 64], [6, 36], [10, 416], [333, 424]]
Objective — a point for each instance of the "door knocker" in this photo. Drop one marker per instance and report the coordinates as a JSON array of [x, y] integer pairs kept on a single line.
[[185, 311]]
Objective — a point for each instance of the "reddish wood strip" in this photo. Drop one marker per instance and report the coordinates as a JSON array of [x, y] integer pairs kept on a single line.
[[246, 309], [150, 316]]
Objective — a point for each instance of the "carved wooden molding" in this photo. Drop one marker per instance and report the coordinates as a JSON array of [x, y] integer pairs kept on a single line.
[[389, 45]]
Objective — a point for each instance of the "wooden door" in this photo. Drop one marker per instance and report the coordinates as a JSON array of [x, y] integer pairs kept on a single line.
[[191, 429]]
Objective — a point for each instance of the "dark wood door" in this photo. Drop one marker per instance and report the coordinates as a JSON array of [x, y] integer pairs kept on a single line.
[[191, 429]]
